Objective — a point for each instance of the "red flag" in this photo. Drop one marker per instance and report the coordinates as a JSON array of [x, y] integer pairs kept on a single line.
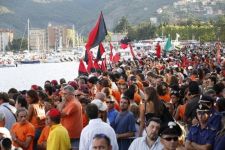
[[90, 67], [131, 51], [111, 53], [103, 66], [218, 53], [101, 50], [82, 69], [96, 65], [158, 50], [97, 34], [116, 58]]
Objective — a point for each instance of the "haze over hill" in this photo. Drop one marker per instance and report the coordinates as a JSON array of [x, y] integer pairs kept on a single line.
[[84, 13]]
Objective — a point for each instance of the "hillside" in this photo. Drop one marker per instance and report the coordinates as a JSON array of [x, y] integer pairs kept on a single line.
[[81, 13]]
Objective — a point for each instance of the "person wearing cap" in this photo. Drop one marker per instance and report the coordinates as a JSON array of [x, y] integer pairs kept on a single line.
[[71, 114], [169, 136], [102, 107], [58, 138], [201, 136], [214, 120], [124, 124], [22, 131], [150, 140], [96, 126]]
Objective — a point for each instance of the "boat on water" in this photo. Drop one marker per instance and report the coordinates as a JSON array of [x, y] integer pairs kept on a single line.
[[28, 61], [7, 63]]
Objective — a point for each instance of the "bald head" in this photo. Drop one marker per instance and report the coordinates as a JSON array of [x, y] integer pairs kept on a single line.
[[100, 95]]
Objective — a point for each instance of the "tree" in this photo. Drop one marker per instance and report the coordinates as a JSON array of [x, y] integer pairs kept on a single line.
[[123, 26], [18, 44]]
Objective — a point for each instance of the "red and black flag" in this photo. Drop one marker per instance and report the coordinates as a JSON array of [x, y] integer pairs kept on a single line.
[[97, 34], [124, 43], [96, 65], [101, 50], [103, 66], [82, 69]]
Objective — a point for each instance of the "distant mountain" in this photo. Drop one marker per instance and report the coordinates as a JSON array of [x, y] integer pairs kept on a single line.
[[82, 13]]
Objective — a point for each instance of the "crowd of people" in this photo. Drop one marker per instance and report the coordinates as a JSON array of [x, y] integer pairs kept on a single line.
[[152, 103]]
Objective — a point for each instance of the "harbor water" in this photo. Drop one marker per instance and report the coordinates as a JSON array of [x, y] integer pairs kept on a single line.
[[23, 76]]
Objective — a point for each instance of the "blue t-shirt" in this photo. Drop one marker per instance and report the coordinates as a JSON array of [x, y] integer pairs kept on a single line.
[[112, 115], [201, 136], [124, 122], [219, 143]]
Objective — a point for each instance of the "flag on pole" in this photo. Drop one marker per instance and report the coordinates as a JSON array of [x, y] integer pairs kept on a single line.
[[111, 51], [82, 69], [158, 50], [101, 50], [103, 66], [97, 34], [168, 45], [96, 65], [90, 67], [131, 51]]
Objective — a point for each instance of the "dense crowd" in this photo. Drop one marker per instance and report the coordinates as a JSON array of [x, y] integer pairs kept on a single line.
[[177, 102]]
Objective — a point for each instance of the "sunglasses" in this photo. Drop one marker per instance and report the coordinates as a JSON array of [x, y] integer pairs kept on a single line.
[[111, 102], [171, 138]]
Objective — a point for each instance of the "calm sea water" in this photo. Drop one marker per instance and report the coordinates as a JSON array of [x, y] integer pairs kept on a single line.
[[23, 76]]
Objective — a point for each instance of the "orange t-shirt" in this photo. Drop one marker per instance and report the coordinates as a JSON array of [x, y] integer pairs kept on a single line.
[[181, 110], [116, 95], [165, 98], [73, 121], [22, 132], [44, 135], [137, 98]]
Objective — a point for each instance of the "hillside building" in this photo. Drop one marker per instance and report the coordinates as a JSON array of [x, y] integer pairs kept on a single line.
[[6, 37]]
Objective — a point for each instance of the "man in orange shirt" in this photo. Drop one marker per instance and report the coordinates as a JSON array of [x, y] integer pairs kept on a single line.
[[22, 131], [71, 115]]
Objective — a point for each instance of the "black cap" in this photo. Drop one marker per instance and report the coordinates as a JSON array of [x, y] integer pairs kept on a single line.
[[172, 128], [203, 108], [205, 99]]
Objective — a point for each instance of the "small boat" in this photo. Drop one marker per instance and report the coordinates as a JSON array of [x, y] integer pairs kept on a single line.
[[28, 61]]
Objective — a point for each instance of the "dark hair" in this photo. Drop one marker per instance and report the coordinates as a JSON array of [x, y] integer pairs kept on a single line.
[[4, 96], [84, 100], [92, 111], [42, 95], [103, 136], [49, 88], [22, 101], [213, 79], [155, 119], [56, 119], [218, 87], [12, 90], [62, 80], [153, 96], [34, 96], [221, 104], [161, 88], [6, 143]]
